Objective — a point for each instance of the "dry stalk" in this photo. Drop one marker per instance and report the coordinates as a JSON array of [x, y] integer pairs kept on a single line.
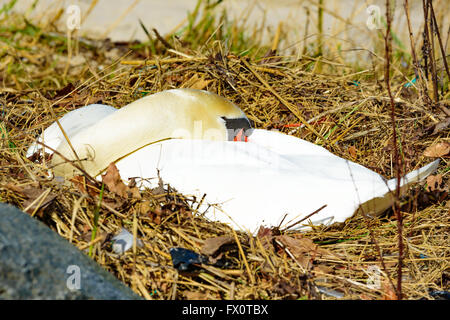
[[397, 212]]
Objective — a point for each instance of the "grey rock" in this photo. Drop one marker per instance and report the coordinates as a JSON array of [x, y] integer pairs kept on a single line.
[[36, 263]]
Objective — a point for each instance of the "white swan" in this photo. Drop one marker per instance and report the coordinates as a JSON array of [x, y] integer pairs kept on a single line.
[[271, 177], [72, 122]]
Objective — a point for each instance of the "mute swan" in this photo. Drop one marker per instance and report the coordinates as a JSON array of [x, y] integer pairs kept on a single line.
[[262, 178], [72, 122]]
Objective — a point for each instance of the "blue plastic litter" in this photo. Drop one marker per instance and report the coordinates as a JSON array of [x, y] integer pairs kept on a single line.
[[440, 295], [410, 83], [184, 259]]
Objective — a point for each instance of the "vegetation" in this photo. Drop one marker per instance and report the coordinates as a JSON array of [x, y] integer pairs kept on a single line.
[[364, 109]]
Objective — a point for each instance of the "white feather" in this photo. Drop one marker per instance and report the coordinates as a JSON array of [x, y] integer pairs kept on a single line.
[[73, 123]]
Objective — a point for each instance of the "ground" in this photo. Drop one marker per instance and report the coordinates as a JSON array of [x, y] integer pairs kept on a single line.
[[45, 74]]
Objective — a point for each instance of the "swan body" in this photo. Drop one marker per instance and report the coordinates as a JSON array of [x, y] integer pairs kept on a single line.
[[270, 178], [73, 123], [272, 175]]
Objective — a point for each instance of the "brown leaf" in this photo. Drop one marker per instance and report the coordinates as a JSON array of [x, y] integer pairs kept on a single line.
[[299, 248], [195, 295], [135, 193], [352, 151], [266, 235], [304, 249], [200, 84], [113, 181], [443, 125], [196, 82], [388, 291], [211, 245], [434, 183], [33, 194], [14, 188], [438, 150], [264, 232], [85, 186]]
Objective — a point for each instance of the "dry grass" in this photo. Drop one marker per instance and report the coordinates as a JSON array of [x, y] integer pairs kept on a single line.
[[348, 110]]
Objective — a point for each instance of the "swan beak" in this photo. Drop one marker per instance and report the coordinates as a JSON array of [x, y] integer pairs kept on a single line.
[[240, 136]]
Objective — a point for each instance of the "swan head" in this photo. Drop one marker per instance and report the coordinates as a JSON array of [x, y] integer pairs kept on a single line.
[[211, 116]]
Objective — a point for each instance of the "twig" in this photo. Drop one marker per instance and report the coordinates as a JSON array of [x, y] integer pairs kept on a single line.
[[76, 207], [307, 217], [397, 212], [428, 32], [87, 175], [249, 272], [438, 34], [413, 51], [283, 101], [320, 27]]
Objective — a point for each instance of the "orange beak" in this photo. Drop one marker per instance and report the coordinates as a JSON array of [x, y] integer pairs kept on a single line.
[[240, 136]]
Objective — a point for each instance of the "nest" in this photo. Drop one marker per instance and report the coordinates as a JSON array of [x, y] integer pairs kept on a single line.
[[343, 110]]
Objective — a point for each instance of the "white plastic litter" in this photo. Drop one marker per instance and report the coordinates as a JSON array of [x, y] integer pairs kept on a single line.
[[124, 241]]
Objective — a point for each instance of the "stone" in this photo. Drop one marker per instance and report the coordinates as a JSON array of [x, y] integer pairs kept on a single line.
[[36, 263]]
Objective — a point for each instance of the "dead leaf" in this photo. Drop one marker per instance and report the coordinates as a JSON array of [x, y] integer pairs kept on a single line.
[[352, 151], [196, 82], [438, 150], [264, 232], [443, 125], [113, 181], [266, 235], [304, 249], [85, 186], [115, 184], [14, 188], [195, 295], [388, 292], [135, 193], [301, 249], [211, 245], [40, 200], [200, 84], [434, 183]]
